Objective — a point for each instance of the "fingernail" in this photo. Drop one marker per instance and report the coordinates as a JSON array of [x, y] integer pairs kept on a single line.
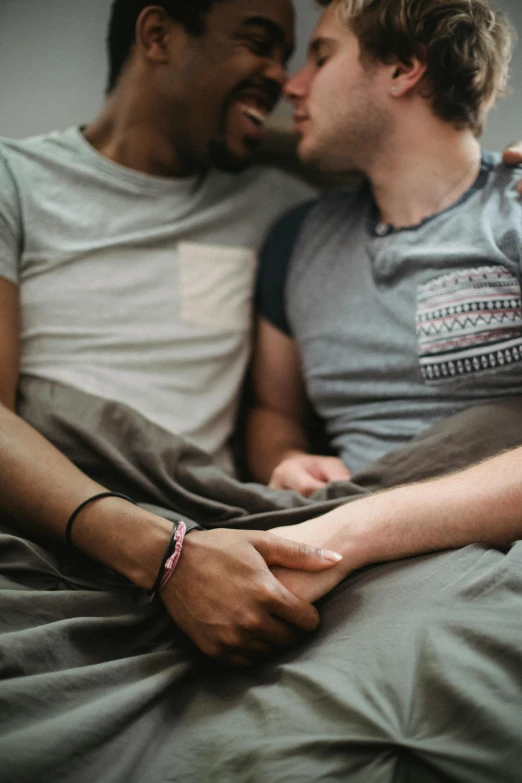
[[327, 554]]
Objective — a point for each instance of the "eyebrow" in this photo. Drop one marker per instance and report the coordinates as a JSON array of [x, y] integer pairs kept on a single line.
[[318, 43], [271, 27]]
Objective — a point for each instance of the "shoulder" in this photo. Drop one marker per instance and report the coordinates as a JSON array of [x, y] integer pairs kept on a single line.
[[37, 149], [287, 227], [501, 203], [274, 264], [320, 211], [503, 180], [283, 244]]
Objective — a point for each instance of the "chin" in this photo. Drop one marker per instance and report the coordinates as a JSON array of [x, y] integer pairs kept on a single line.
[[310, 156], [224, 157]]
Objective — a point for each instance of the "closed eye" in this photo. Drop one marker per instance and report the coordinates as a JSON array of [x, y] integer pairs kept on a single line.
[[262, 47]]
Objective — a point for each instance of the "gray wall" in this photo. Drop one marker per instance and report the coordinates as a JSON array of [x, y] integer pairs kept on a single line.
[[53, 68]]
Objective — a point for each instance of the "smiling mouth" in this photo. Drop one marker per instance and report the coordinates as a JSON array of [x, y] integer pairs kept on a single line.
[[257, 105], [258, 116]]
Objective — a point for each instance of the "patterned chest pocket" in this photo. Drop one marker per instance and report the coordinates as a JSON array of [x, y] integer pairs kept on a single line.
[[468, 323]]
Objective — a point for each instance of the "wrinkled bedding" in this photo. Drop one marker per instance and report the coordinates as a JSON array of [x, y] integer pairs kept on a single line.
[[414, 676]]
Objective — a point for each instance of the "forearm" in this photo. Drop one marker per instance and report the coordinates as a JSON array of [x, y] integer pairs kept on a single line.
[[272, 437], [40, 488], [482, 504]]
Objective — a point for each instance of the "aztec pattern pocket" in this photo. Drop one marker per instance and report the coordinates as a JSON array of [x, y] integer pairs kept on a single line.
[[468, 322]]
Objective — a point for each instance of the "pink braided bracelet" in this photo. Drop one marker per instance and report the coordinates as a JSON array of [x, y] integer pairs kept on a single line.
[[170, 565]]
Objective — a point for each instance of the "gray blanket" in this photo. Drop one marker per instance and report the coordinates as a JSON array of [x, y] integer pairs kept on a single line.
[[415, 674]]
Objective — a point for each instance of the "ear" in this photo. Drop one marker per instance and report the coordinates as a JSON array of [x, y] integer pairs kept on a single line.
[[406, 77], [154, 33]]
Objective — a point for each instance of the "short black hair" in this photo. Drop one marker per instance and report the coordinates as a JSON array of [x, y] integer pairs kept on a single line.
[[122, 26]]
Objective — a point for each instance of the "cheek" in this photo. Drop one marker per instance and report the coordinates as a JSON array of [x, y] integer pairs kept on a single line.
[[326, 91]]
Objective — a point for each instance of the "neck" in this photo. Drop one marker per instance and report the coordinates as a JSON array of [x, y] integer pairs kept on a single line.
[[132, 132], [423, 172]]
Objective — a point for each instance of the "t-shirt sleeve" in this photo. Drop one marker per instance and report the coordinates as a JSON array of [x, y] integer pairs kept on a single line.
[[274, 264], [10, 224]]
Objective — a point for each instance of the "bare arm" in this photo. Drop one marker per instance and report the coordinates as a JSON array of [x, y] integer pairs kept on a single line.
[[277, 440], [277, 423], [482, 504], [41, 488], [9, 343], [237, 610]]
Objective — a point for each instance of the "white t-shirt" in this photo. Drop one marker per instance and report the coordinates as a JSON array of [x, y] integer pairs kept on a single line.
[[136, 288]]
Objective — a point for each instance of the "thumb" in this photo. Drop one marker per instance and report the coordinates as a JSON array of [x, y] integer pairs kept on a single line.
[[278, 551], [513, 154]]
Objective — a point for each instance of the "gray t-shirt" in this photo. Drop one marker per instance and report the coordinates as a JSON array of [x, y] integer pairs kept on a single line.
[[399, 331], [136, 288]]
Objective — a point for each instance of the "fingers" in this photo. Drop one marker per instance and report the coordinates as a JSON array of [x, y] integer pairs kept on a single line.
[[295, 477], [237, 661], [261, 634], [293, 554], [333, 469], [224, 597], [306, 473], [513, 154], [279, 634], [296, 611]]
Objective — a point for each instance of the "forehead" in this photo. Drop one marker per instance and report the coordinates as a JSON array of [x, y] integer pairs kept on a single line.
[[277, 15], [330, 26], [332, 34]]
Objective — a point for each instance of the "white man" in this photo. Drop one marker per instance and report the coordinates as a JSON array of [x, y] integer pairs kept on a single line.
[[396, 305]]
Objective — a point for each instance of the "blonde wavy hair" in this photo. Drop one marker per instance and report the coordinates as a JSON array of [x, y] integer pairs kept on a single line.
[[465, 44]]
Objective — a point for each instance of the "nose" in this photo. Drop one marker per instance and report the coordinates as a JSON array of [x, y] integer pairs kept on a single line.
[[275, 71], [296, 87]]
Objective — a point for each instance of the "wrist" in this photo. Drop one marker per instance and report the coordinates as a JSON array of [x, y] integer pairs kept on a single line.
[[124, 537], [357, 531]]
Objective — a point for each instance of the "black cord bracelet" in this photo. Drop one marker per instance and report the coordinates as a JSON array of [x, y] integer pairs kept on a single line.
[[171, 546], [72, 518]]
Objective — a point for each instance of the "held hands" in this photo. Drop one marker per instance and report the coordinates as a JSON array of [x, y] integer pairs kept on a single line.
[[224, 597], [305, 473], [513, 157], [329, 530]]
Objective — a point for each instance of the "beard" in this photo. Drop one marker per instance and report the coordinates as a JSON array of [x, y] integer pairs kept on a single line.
[[351, 141], [225, 159], [221, 155]]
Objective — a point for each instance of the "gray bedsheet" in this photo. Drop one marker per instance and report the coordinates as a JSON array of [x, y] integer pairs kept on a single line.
[[415, 674]]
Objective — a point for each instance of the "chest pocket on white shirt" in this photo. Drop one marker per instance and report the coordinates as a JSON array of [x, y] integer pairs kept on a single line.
[[469, 323], [216, 286]]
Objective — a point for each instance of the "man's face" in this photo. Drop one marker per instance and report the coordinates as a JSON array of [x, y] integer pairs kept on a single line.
[[341, 110], [229, 80]]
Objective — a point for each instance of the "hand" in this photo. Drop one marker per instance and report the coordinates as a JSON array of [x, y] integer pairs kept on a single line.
[[305, 473], [513, 157], [224, 597], [318, 532]]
